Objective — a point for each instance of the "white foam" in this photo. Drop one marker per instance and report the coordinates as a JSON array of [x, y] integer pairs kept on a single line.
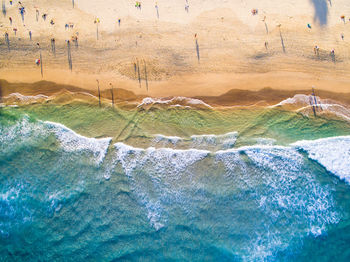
[[265, 141], [57, 199], [167, 139], [179, 101], [22, 133], [283, 186], [224, 141], [13, 207], [201, 142], [71, 141], [21, 97], [154, 175], [333, 153], [298, 99], [338, 110], [180, 106], [25, 133], [306, 102]]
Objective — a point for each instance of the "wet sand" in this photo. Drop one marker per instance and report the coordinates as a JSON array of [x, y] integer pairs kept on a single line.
[[263, 97]]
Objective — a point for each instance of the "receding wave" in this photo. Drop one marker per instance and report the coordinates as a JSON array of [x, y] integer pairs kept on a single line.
[[315, 105], [204, 142], [177, 101]]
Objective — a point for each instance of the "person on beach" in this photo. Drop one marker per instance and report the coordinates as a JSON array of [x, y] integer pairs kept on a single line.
[[332, 55], [30, 35], [119, 21], [66, 26], [44, 16], [316, 50], [138, 5], [75, 40], [53, 46], [156, 6], [342, 36], [15, 30], [266, 45], [22, 12], [52, 22], [10, 18], [10, 2], [7, 40], [343, 18]]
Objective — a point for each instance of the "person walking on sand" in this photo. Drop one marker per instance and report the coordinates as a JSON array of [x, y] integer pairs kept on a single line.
[[30, 35], [332, 55], [156, 6], [7, 40], [266, 45], [53, 46], [10, 18], [316, 50]]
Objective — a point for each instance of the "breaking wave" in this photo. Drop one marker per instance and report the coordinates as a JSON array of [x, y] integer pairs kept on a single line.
[[333, 153], [26, 132], [260, 200]]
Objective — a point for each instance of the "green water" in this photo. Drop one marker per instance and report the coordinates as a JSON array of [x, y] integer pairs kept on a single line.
[[243, 193], [124, 125]]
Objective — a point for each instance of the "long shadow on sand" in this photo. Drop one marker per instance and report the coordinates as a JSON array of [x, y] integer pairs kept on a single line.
[[321, 11]]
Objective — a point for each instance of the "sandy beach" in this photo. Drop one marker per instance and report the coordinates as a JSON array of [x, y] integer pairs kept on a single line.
[[231, 44]]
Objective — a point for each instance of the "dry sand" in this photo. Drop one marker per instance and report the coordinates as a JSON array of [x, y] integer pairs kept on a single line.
[[231, 45]]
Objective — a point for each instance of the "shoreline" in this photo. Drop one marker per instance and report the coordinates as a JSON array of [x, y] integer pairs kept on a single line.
[[233, 97]]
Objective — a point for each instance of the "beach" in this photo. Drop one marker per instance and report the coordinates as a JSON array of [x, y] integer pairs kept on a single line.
[[231, 46], [192, 130]]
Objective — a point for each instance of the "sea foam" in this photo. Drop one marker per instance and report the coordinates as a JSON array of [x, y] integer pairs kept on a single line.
[[283, 187], [333, 153], [208, 142], [155, 176], [71, 141], [177, 101]]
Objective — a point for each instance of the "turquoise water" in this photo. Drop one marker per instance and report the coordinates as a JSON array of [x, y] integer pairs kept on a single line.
[[66, 197]]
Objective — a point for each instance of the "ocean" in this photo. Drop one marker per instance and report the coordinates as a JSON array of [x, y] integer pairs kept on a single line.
[[265, 185]]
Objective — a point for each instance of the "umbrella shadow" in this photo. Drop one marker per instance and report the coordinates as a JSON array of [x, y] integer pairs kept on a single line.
[[321, 11]]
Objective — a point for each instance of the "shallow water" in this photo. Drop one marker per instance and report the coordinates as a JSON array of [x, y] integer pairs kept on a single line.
[[251, 193]]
